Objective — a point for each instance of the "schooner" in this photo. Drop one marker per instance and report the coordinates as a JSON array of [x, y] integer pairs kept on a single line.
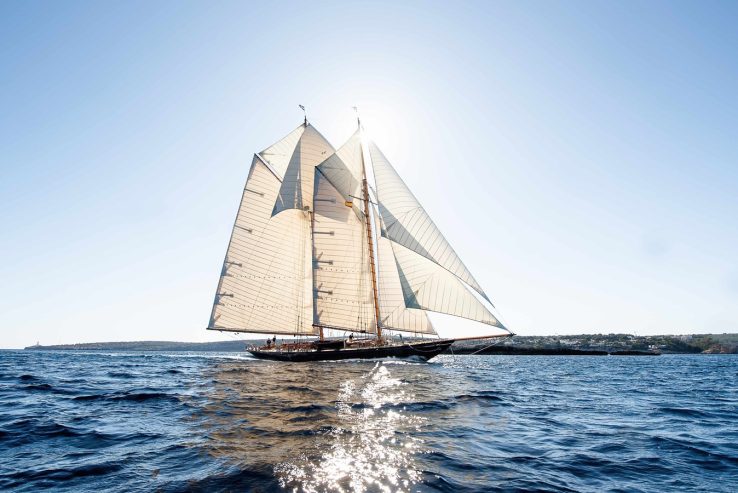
[[315, 251]]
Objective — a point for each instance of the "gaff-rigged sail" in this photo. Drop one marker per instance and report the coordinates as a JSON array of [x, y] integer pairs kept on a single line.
[[265, 282], [342, 283], [407, 223]]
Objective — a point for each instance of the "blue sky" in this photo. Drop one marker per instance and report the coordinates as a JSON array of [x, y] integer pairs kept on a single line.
[[581, 157]]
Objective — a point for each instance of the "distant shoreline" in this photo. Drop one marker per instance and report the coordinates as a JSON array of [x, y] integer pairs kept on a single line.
[[585, 344], [240, 346]]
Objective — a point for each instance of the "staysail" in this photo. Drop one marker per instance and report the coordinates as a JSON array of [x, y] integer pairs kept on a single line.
[[427, 286], [394, 313], [407, 223]]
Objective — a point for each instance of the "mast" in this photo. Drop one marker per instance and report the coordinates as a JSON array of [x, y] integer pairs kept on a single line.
[[312, 240], [369, 236], [312, 243]]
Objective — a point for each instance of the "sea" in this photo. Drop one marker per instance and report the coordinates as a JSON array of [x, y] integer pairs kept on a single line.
[[143, 421]]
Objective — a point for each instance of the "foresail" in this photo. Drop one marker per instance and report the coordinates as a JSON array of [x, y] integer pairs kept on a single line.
[[393, 312], [278, 155], [427, 286], [408, 224], [265, 284], [296, 191], [342, 282]]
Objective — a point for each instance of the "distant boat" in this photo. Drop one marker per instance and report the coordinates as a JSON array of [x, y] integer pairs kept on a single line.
[[317, 254]]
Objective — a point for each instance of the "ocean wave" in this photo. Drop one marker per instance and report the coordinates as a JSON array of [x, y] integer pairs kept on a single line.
[[121, 374], [129, 396], [680, 411], [57, 475], [40, 386]]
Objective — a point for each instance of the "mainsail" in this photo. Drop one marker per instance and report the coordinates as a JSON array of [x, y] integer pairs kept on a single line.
[[304, 256]]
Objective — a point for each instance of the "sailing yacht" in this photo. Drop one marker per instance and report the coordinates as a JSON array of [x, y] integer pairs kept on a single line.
[[316, 253]]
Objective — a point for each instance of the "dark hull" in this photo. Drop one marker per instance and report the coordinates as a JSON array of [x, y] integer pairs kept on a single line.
[[421, 350]]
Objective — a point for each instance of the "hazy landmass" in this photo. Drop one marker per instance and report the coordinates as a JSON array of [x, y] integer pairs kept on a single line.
[[222, 346], [572, 344]]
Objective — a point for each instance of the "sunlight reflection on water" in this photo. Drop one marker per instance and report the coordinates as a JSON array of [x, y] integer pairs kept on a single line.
[[317, 429], [368, 449]]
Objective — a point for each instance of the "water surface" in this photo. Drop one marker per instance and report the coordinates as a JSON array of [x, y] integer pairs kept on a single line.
[[81, 421]]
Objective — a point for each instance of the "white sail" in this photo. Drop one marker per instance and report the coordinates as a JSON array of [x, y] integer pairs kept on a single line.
[[298, 258], [427, 286], [344, 168], [278, 155], [408, 224], [342, 279], [393, 312], [296, 191], [265, 284]]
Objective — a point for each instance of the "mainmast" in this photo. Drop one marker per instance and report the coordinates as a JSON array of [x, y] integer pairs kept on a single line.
[[369, 236]]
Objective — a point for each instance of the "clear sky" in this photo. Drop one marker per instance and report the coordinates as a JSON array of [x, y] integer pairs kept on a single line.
[[581, 157]]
